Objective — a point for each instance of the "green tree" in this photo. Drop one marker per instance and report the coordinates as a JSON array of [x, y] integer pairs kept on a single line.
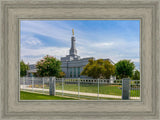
[[48, 66], [136, 75], [124, 69], [23, 68], [98, 69]]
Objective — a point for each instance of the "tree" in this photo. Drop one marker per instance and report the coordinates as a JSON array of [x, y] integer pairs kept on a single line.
[[23, 68], [48, 66], [136, 75], [98, 69], [124, 69], [109, 69]]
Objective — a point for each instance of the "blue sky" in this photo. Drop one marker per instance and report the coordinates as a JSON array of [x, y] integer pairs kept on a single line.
[[114, 39]]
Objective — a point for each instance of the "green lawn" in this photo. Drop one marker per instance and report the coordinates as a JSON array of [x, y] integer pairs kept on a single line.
[[35, 96], [93, 88]]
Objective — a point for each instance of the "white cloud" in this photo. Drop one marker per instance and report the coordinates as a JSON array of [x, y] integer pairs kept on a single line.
[[135, 60], [32, 41], [115, 50], [45, 29], [28, 40], [106, 47], [104, 44], [32, 55]]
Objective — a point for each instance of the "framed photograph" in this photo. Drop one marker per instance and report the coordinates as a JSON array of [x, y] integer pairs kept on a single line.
[[82, 83], [89, 62]]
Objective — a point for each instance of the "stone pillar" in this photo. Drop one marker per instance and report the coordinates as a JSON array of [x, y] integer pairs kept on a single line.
[[72, 72], [67, 72], [125, 88], [76, 72], [111, 79], [52, 86]]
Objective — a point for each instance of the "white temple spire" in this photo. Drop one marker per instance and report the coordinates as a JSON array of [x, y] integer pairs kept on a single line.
[[73, 50]]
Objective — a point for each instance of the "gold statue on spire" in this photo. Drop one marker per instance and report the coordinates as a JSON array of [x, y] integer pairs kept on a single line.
[[72, 31]]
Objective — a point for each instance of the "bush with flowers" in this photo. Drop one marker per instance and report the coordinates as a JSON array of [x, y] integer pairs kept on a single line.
[[48, 66]]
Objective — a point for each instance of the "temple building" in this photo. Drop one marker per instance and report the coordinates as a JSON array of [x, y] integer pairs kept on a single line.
[[32, 70], [72, 65]]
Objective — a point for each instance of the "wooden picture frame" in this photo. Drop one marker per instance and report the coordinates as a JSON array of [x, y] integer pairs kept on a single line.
[[12, 11]]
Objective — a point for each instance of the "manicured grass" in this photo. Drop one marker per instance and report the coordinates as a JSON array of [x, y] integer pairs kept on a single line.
[[35, 96], [93, 88]]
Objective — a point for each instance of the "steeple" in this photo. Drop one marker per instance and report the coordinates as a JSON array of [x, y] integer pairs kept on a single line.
[[73, 50]]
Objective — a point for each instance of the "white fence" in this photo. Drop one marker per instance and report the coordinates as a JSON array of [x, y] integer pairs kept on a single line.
[[87, 89]]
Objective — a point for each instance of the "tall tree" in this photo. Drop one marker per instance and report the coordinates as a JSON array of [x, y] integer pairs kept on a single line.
[[23, 68], [124, 68], [98, 69], [48, 66]]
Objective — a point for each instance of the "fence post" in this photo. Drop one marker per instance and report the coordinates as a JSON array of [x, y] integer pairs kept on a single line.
[[52, 90], [125, 88], [78, 87], [54, 85], [98, 90], [32, 84], [43, 84], [62, 85]]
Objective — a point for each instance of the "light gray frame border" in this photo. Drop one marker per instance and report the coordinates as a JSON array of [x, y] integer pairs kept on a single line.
[[14, 10]]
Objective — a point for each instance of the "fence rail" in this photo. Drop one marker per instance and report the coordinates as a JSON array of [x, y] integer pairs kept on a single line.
[[87, 89]]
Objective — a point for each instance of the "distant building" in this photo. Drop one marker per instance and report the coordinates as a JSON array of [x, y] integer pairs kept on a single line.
[[32, 70], [72, 65]]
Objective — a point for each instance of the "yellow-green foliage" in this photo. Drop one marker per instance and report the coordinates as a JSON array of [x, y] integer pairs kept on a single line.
[[99, 69]]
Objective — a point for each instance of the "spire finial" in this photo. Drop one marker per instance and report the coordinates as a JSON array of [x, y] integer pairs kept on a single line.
[[72, 31]]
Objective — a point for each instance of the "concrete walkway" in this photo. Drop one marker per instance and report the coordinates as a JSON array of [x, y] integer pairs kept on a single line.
[[76, 93]]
